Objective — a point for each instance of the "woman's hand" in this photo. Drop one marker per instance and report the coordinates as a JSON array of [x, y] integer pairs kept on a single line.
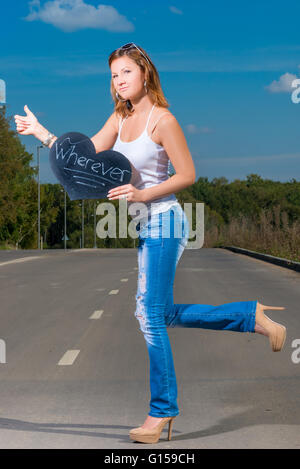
[[26, 125], [132, 194]]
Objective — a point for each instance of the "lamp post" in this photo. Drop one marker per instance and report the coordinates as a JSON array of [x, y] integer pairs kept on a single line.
[[39, 197], [65, 218], [82, 223], [95, 242]]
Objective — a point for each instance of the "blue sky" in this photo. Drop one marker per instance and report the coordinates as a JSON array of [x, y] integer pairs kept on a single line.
[[226, 69]]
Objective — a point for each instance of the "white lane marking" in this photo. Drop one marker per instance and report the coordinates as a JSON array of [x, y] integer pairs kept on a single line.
[[124, 279], [69, 357], [113, 292], [97, 314], [22, 259]]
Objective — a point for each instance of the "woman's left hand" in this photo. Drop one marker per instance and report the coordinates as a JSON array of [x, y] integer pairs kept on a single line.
[[132, 193]]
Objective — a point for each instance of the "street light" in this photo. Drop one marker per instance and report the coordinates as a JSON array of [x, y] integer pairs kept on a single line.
[[65, 218], [39, 197], [82, 223], [94, 216]]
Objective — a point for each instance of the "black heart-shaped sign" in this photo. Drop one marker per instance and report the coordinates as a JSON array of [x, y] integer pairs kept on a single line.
[[84, 173]]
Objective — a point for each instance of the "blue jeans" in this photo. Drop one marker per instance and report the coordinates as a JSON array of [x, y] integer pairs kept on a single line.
[[162, 240]]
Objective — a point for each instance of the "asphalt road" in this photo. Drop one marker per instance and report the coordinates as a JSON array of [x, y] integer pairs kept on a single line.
[[78, 306]]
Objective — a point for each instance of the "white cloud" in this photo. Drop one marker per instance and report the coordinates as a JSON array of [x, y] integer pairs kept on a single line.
[[205, 130], [283, 85], [176, 11], [193, 129], [72, 15]]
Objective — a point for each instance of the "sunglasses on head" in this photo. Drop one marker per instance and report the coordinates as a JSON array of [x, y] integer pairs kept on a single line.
[[130, 45]]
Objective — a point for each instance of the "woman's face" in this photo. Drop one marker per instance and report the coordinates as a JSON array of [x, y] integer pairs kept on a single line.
[[127, 74]]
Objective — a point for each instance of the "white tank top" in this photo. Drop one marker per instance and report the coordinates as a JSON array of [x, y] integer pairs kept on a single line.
[[151, 163]]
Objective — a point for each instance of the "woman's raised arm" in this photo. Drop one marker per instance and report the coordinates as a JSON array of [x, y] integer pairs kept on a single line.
[[29, 125]]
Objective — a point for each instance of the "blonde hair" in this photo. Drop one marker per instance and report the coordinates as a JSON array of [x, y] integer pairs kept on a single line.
[[153, 85]]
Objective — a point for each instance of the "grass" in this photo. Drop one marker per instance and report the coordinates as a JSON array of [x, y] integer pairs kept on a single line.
[[271, 234]]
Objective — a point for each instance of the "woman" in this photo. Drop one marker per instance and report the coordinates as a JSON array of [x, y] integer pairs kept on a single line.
[[149, 135]]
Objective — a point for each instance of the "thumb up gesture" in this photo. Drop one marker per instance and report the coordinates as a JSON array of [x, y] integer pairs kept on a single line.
[[26, 125]]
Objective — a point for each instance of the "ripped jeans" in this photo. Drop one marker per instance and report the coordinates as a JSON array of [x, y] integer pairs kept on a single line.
[[162, 240]]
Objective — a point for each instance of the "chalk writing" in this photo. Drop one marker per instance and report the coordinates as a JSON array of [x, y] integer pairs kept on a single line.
[[75, 163], [115, 173]]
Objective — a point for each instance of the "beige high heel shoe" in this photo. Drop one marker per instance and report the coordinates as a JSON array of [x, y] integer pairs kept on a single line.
[[146, 435], [276, 332]]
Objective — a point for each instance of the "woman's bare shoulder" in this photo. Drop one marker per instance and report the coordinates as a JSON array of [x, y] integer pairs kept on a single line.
[[160, 110], [162, 115]]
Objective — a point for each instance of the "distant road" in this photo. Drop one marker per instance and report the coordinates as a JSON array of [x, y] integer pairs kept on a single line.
[[76, 371]]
